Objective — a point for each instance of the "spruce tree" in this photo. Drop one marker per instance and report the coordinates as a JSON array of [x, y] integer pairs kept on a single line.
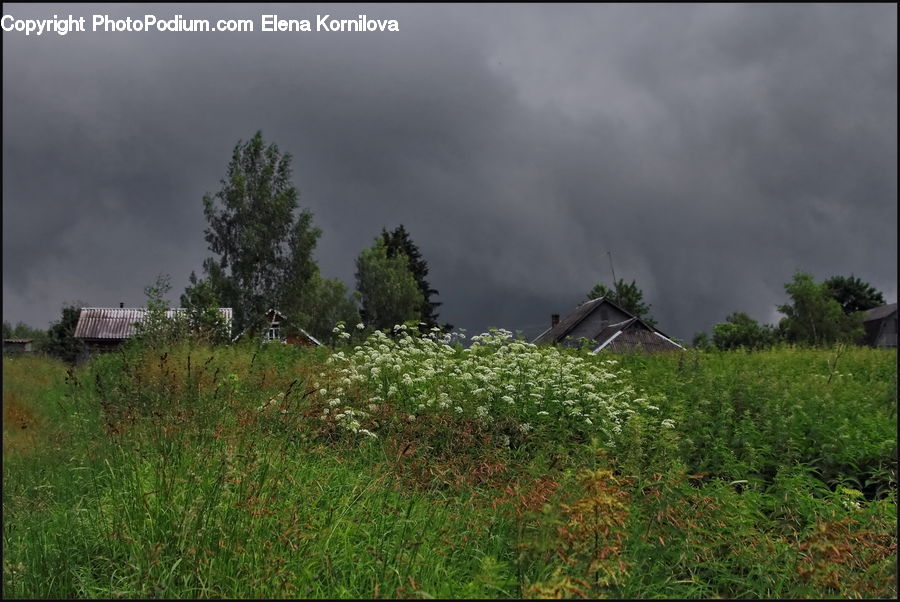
[[399, 241]]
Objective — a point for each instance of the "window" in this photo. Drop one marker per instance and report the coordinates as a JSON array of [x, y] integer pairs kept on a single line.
[[274, 332]]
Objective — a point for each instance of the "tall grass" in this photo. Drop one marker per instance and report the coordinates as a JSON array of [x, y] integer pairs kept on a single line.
[[197, 472]]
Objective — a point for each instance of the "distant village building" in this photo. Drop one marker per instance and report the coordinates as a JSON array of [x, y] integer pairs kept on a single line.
[[278, 329], [880, 324], [608, 327], [106, 328], [17, 345]]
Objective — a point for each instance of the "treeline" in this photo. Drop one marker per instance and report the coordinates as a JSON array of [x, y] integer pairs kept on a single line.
[[263, 242], [816, 314], [59, 340]]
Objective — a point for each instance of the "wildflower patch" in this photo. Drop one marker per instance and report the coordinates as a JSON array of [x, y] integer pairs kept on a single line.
[[522, 390]]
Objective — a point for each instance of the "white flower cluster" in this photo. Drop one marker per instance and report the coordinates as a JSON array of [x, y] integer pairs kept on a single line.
[[540, 388], [271, 402]]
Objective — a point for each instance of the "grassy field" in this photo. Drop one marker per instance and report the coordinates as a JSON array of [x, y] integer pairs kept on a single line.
[[403, 467]]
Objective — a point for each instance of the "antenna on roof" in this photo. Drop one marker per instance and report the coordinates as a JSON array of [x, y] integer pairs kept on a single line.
[[615, 282]]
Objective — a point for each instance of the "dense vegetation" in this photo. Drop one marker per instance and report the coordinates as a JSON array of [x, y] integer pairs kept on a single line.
[[415, 467]]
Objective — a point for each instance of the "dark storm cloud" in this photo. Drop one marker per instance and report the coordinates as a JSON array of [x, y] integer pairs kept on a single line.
[[713, 149]]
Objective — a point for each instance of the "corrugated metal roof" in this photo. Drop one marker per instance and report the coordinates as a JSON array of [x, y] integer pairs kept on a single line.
[[116, 323], [878, 313], [18, 340]]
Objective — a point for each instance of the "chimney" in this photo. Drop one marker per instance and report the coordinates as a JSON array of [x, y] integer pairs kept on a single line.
[[121, 304], [554, 320]]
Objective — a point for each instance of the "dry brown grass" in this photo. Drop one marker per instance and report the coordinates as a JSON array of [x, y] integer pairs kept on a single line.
[[24, 431]]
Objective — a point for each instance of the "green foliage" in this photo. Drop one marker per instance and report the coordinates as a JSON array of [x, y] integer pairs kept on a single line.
[[204, 320], [398, 241], [199, 472], [326, 303], [627, 296], [61, 342], [158, 327], [24, 331], [741, 331], [742, 416], [853, 294], [386, 287], [701, 341], [264, 245], [814, 317]]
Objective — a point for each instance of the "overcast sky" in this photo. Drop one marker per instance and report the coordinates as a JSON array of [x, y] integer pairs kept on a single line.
[[712, 149]]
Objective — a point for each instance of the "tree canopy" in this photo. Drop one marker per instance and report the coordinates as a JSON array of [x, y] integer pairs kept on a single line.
[[386, 287], [61, 341], [326, 303], [740, 331], [399, 241], [627, 296], [23, 331], [853, 294], [813, 316], [262, 240]]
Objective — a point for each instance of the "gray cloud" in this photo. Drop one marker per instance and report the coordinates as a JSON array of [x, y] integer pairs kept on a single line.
[[714, 149]]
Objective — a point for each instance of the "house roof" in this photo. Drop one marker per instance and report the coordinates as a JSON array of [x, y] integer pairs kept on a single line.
[[878, 313], [274, 315], [117, 323], [630, 337], [565, 326], [18, 340], [610, 332]]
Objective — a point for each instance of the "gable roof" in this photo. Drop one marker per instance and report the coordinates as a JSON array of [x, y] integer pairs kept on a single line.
[[118, 323], [274, 315], [879, 313], [555, 334], [606, 336], [559, 332]]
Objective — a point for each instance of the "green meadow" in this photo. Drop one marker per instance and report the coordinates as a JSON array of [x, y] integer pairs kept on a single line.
[[406, 467]]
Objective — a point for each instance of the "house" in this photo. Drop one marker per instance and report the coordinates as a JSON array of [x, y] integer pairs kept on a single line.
[[105, 328], [880, 324], [17, 345], [608, 327], [278, 330]]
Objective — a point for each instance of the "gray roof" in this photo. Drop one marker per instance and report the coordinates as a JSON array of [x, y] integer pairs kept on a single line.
[[567, 324], [631, 337], [117, 323], [879, 313], [654, 337], [559, 332]]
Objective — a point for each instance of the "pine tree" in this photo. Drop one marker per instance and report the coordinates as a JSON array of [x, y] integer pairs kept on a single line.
[[399, 241]]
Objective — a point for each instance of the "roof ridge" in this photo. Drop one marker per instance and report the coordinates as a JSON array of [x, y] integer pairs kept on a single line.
[[572, 326]]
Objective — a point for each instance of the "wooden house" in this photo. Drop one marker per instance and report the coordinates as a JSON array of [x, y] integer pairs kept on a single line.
[[607, 327], [880, 324], [278, 329]]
